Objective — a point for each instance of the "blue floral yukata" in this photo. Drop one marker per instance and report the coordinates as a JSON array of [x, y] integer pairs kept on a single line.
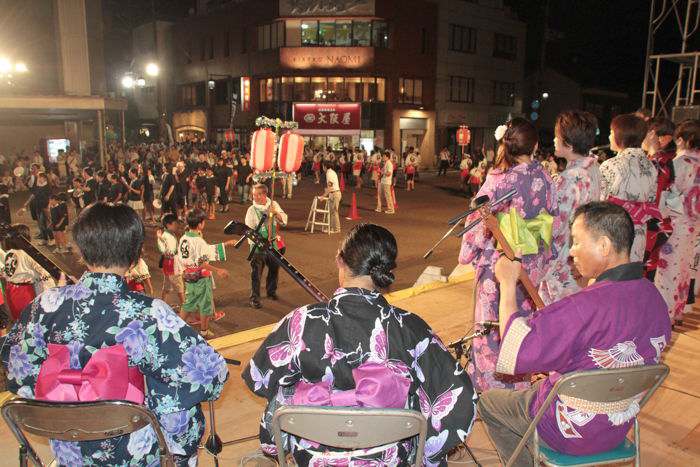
[[180, 368], [326, 345]]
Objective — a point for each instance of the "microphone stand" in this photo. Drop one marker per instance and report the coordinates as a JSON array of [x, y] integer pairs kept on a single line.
[[214, 445]]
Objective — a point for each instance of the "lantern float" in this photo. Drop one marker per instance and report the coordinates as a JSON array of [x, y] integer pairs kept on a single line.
[[291, 152], [262, 150]]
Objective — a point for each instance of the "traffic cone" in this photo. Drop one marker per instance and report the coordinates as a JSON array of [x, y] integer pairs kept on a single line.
[[342, 183], [353, 215], [393, 195]]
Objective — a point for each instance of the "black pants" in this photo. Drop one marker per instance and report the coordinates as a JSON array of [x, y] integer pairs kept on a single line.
[[443, 167], [257, 264], [223, 195]]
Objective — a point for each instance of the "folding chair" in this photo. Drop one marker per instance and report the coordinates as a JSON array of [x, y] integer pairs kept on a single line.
[[597, 386], [82, 421], [348, 427]]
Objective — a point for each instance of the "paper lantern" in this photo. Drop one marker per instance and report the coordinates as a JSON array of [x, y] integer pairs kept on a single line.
[[229, 136], [291, 152], [463, 136], [262, 150]]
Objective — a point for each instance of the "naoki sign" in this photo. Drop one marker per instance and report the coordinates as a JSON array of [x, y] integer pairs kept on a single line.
[[326, 57], [327, 118]]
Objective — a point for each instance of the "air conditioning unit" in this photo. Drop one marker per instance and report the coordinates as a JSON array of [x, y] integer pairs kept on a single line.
[[685, 112]]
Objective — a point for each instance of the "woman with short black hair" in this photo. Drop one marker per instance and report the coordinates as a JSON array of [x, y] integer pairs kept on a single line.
[[65, 327], [359, 339], [629, 178]]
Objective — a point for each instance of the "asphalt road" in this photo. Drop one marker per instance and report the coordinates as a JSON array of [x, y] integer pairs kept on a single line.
[[419, 222]]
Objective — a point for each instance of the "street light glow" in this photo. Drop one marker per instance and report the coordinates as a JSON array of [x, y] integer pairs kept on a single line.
[[21, 67], [5, 65], [140, 82], [152, 69], [128, 82]]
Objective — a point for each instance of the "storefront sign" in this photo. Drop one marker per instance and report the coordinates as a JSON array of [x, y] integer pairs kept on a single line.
[[245, 94], [326, 57], [327, 118], [326, 7]]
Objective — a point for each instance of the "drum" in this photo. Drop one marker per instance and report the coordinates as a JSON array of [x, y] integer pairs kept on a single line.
[[18, 172], [157, 203]]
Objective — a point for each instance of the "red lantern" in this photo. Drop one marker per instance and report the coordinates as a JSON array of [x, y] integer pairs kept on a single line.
[[262, 150], [291, 152], [229, 136], [463, 136]]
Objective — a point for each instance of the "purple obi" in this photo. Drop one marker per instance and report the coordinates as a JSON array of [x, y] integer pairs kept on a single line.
[[375, 386]]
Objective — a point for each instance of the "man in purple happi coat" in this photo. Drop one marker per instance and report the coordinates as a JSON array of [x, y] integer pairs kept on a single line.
[[617, 322]]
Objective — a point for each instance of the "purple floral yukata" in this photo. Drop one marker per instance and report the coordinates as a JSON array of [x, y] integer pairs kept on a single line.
[[534, 194], [324, 345], [577, 185], [180, 368], [618, 322]]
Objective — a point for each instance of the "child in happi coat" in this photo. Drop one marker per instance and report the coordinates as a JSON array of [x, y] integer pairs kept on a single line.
[[59, 221], [194, 256], [24, 277], [167, 245], [138, 277]]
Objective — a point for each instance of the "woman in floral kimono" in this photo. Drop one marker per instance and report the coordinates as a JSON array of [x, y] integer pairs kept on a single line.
[[72, 329], [514, 168], [673, 274], [331, 353], [629, 178], [579, 183]]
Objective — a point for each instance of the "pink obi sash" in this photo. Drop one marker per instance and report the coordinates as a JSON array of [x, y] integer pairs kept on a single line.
[[639, 211], [375, 386], [106, 376]]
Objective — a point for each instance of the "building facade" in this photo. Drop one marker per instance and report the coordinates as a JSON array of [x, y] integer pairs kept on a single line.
[[480, 69], [60, 94], [355, 72]]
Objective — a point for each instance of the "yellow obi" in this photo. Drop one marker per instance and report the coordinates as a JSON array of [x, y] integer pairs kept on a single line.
[[525, 234]]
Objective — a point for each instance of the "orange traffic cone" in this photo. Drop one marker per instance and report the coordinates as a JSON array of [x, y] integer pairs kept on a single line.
[[353, 215], [342, 183], [393, 195]]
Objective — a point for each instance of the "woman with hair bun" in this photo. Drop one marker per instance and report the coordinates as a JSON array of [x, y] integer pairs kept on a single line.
[[533, 209], [358, 350]]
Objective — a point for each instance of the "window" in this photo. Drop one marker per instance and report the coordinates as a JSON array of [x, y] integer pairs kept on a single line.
[[503, 93], [505, 46], [423, 41], [211, 47], [271, 36], [361, 33], [221, 92], [326, 33], [309, 33], [192, 95], [227, 43], [461, 89], [380, 34], [321, 88], [462, 39], [343, 33], [410, 91]]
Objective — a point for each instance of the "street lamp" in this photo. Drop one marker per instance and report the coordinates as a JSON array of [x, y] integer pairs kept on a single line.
[[128, 81], [21, 67], [152, 69]]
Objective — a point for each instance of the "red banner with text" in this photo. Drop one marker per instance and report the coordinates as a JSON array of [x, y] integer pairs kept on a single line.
[[328, 118]]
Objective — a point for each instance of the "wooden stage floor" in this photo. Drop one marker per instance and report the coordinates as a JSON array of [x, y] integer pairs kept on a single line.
[[670, 423]]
